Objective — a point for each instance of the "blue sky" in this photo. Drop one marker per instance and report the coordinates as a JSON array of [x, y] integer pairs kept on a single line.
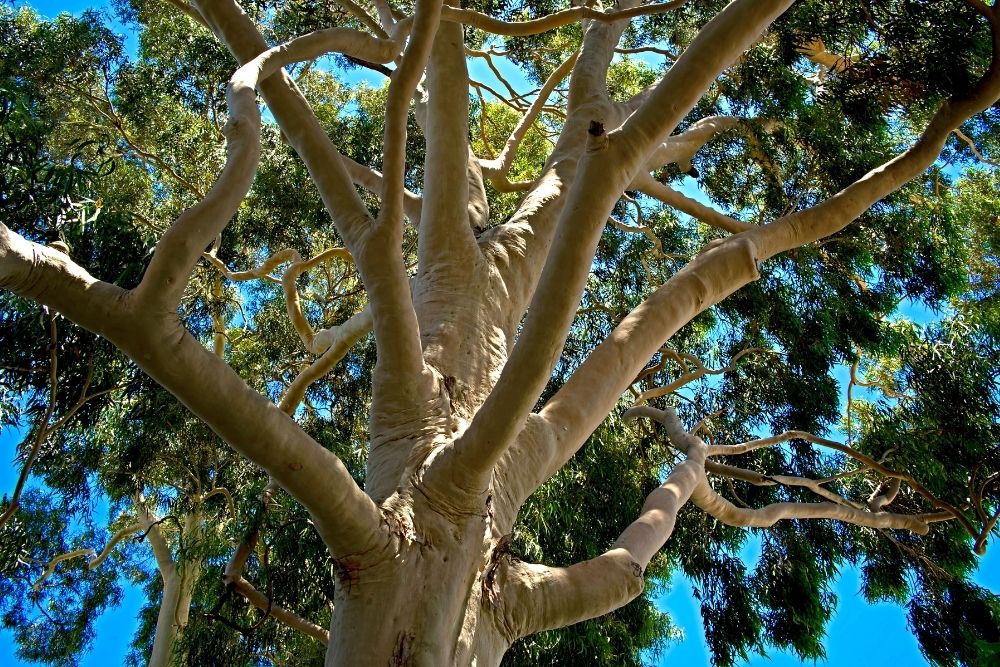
[[849, 635]]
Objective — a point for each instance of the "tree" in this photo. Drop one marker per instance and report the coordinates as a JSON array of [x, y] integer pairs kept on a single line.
[[489, 377]]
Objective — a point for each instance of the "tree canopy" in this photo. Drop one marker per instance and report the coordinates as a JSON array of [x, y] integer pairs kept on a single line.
[[439, 370]]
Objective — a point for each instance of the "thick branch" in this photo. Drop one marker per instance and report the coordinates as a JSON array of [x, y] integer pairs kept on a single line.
[[161, 551], [402, 85], [841, 209], [347, 519], [715, 47], [537, 598], [182, 244], [553, 305], [681, 148], [50, 277], [446, 245], [375, 248], [593, 390], [296, 119], [726, 265]]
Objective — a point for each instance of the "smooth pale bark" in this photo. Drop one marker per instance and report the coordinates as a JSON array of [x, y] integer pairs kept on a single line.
[[646, 184], [179, 578], [423, 572], [728, 264], [374, 248], [556, 20], [600, 180], [242, 417], [718, 271]]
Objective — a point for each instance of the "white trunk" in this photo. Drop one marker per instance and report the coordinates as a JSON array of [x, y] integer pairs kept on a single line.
[[179, 579]]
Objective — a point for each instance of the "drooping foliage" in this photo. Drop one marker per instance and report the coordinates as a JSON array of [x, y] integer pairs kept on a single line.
[[86, 168]]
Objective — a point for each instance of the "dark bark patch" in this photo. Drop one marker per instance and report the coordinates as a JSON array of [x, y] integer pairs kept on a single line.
[[402, 654], [501, 550]]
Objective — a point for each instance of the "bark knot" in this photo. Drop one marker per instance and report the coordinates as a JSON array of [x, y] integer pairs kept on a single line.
[[598, 139]]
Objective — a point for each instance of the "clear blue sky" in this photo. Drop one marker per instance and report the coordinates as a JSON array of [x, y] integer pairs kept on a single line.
[[850, 635]]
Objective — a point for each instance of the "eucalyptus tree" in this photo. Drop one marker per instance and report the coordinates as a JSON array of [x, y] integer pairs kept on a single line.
[[523, 259], [84, 172]]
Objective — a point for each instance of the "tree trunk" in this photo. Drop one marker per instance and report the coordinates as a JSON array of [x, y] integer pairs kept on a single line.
[[421, 602], [178, 589]]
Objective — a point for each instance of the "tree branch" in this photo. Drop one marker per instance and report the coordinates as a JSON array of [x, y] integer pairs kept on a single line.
[[375, 247], [500, 167], [188, 10], [975, 151], [555, 299], [280, 614], [681, 148], [446, 247], [297, 121], [337, 342], [489, 24], [688, 376], [715, 47], [723, 510], [726, 265], [292, 302], [95, 560], [358, 12], [50, 277], [372, 181], [877, 466], [347, 519], [597, 384], [402, 85], [536, 598], [836, 212], [180, 247]]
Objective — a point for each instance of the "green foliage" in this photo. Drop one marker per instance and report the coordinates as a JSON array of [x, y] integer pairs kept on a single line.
[[54, 623], [83, 165]]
